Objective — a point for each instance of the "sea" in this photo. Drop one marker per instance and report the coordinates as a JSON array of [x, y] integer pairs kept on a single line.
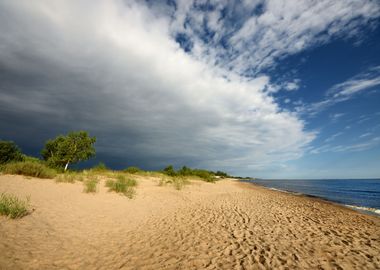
[[359, 194]]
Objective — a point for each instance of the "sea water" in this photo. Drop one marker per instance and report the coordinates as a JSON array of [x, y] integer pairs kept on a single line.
[[360, 194]]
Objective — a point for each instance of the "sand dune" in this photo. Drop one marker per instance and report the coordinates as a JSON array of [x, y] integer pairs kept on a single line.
[[227, 225]]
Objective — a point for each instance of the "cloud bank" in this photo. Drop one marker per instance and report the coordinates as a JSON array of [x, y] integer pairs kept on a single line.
[[119, 70]]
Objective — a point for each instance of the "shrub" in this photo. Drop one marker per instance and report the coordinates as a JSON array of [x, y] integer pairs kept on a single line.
[[28, 168], [12, 206], [169, 170], [204, 175], [9, 151], [122, 185], [90, 185], [132, 170]]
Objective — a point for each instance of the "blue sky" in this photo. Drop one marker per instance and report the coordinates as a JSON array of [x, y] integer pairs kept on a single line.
[[272, 89]]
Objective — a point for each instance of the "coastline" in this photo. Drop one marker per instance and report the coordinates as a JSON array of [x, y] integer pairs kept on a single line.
[[226, 225], [362, 209]]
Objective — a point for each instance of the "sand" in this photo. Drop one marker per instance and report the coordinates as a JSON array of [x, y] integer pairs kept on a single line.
[[227, 225]]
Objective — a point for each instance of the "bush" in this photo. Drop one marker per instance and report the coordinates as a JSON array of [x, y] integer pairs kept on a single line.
[[12, 206], [169, 170], [132, 170], [122, 185], [9, 151], [29, 168], [90, 185], [204, 175]]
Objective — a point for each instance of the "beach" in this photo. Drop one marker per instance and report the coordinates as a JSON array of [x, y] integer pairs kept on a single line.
[[222, 225]]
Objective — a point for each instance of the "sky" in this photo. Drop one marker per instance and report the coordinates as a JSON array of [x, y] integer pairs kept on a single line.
[[269, 89]]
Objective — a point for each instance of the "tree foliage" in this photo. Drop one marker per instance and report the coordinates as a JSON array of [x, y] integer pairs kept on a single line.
[[9, 151], [72, 148]]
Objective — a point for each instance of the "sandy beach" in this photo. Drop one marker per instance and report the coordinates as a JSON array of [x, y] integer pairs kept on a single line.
[[226, 225]]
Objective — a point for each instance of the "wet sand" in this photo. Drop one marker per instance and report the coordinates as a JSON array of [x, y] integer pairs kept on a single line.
[[226, 225]]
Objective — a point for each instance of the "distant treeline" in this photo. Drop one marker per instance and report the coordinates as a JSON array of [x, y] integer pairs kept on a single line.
[[77, 146]]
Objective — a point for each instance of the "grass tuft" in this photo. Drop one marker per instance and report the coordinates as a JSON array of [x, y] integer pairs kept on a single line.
[[90, 185], [29, 168], [69, 177], [12, 206], [178, 182], [122, 185]]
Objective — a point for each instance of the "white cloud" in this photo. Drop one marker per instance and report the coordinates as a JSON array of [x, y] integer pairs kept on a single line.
[[357, 147], [333, 137], [364, 135], [114, 69], [361, 82], [292, 86], [277, 29], [343, 91]]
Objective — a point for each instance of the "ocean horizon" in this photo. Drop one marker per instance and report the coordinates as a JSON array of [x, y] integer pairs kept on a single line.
[[359, 194]]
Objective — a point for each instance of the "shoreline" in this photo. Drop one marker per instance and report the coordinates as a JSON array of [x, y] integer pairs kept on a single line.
[[355, 208], [223, 225], [358, 208]]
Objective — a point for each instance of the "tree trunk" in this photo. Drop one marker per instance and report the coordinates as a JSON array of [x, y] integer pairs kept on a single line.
[[67, 165]]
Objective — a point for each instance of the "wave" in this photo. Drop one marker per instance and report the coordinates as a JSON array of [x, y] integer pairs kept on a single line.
[[362, 208]]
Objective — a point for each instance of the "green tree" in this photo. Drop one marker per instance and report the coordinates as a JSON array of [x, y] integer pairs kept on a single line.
[[9, 151], [72, 148]]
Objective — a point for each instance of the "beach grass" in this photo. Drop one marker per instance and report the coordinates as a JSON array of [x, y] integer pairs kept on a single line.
[[70, 177], [12, 206], [178, 182], [29, 168], [90, 185], [122, 185]]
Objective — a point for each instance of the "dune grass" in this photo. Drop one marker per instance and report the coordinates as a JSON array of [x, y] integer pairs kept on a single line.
[[70, 177], [90, 185], [132, 170], [178, 182], [12, 206], [122, 185], [29, 168]]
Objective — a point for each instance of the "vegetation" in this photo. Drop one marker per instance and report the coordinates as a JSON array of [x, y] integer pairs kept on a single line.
[[70, 177], [122, 185], [9, 152], [101, 167], [205, 175], [178, 182], [169, 170], [29, 168], [12, 206], [90, 185], [72, 148], [132, 170]]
